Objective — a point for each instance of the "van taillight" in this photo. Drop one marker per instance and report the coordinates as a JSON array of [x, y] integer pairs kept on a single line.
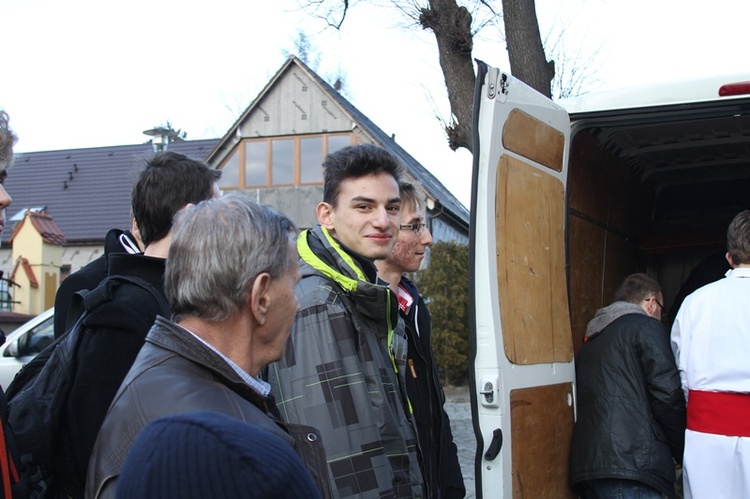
[[739, 88]]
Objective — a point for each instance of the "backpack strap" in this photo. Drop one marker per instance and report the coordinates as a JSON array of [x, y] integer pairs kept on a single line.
[[105, 292], [5, 464], [83, 303]]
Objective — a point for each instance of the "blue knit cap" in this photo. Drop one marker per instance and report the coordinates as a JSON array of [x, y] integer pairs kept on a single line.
[[210, 455]]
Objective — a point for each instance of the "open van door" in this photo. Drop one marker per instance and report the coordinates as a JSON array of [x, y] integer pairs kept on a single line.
[[521, 345]]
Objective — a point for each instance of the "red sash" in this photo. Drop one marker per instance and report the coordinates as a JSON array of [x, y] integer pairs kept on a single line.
[[719, 413]]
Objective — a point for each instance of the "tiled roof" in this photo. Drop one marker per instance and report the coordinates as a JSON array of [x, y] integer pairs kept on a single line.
[[44, 225], [23, 264], [85, 191]]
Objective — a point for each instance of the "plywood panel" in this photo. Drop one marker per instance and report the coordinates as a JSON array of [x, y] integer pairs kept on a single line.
[[527, 136], [609, 211], [531, 264], [586, 243], [599, 261], [541, 420]]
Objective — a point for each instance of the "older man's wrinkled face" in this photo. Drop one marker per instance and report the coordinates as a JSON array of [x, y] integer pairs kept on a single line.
[[284, 307]]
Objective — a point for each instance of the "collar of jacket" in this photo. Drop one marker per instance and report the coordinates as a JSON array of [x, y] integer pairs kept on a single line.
[[350, 276], [170, 336], [344, 260]]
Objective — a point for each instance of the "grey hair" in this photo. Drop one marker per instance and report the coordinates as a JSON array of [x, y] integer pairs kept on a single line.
[[7, 141], [219, 247]]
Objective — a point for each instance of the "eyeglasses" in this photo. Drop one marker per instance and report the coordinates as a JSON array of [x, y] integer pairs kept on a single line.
[[416, 228], [663, 310]]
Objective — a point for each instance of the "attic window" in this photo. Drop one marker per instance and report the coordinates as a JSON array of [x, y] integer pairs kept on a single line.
[[280, 161]]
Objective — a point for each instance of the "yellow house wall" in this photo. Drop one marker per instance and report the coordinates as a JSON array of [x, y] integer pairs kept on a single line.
[[45, 260]]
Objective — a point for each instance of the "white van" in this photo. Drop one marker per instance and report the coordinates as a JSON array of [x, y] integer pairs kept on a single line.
[[565, 204]]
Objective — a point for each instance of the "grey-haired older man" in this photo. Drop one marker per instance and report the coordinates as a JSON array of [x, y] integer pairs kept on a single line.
[[229, 281]]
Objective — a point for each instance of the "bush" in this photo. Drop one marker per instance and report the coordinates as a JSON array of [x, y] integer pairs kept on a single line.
[[445, 288]]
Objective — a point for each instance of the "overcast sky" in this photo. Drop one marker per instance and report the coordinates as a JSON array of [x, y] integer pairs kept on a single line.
[[89, 73]]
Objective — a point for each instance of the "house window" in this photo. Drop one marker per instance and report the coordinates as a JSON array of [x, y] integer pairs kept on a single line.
[[279, 161], [282, 161], [311, 150], [255, 163]]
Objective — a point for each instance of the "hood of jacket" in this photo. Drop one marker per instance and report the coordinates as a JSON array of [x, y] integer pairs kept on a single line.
[[322, 254], [607, 315]]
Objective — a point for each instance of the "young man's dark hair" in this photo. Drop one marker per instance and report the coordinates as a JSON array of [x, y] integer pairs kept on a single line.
[[738, 238], [169, 181], [353, 162]]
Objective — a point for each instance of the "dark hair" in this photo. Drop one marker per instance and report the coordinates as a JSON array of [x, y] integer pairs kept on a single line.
[[354, 162], [168, 182], [738, 238], [636, 288]]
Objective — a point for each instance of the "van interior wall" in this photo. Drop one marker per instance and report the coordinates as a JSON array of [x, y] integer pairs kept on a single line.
[[608, 210]]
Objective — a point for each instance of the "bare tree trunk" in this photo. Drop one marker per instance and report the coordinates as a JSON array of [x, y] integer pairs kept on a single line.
[[451, 25], [525, 51]]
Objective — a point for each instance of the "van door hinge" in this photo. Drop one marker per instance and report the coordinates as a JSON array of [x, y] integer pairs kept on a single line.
[[497, 83], [492, 82]]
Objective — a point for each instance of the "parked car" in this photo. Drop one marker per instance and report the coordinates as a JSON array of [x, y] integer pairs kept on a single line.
[[24, 343]]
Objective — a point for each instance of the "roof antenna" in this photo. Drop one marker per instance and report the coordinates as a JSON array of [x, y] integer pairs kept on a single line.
[[162, 135]]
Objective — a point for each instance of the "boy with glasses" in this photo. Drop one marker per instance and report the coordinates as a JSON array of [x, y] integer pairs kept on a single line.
[[439, 454]]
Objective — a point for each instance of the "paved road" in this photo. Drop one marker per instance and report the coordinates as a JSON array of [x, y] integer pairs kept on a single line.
[[458, 408]]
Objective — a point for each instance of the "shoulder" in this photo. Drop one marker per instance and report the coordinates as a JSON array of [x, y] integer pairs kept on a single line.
[[641, 322], [315, 291], [635, 328], [125, 306], [87, 277]]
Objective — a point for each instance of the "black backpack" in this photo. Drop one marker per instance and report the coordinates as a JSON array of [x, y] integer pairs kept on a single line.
[[37, 396], [18, 480]]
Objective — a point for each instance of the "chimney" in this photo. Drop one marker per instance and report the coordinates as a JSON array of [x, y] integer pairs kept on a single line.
[[162, 136]]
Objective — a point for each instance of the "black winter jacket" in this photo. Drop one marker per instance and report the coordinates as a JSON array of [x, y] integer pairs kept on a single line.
[[631, 409], [439, 453], [89, 277], [115, 332]]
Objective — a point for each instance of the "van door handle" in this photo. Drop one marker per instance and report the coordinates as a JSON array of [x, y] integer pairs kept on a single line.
[[495, 445]]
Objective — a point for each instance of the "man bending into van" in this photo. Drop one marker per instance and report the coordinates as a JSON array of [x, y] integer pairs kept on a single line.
[[631, 411]]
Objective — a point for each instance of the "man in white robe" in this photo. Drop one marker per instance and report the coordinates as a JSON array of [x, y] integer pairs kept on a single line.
[[711, 344]]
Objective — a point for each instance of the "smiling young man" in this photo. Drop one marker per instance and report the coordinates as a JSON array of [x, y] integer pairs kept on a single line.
[[342, 372], [441, 470]]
